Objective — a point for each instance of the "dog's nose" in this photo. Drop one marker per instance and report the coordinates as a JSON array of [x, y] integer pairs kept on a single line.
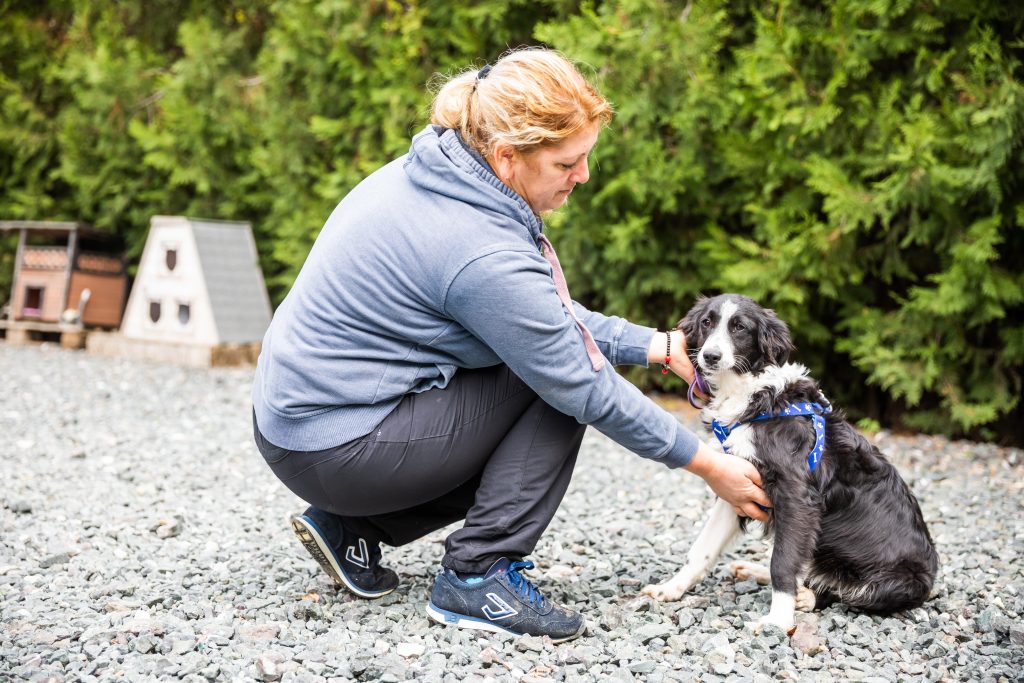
[[711, 358]]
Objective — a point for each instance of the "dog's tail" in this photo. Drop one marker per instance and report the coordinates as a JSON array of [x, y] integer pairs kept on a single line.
[[902, 587]]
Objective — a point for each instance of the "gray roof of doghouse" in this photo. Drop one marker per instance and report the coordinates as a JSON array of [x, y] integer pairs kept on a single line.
[[234, 281]]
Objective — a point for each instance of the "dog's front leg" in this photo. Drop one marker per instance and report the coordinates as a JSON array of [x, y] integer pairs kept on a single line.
[[797, 522], [719, 531], [806, 600]]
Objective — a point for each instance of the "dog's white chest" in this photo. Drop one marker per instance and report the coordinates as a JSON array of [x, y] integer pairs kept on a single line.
[[740, 442]]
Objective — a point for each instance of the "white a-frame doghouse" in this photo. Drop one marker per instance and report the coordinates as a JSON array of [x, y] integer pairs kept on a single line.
[[199, 297]]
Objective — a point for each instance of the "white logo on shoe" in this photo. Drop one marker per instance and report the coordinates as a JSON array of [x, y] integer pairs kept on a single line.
[[504, 610], [360, 560]]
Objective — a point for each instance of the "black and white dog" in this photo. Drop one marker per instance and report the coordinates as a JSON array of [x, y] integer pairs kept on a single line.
[[845, 524]]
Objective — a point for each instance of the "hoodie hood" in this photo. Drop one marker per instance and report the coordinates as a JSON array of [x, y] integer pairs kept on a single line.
[[439, 161]]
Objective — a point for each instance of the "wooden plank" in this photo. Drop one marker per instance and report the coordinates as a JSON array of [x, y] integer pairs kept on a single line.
[[72, 247], [114, 344], [73, 339], [16, 337], [36, 326], [17, 268], [57, 226]]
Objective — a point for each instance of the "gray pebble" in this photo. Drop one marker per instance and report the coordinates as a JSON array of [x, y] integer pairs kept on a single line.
[[267, 668], [21, 507], [146, 644], [52, 560], [645, 667], [649, 632]]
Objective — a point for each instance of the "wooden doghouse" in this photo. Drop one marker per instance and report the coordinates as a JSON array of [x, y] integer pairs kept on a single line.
[[67, 277], [198, 298]]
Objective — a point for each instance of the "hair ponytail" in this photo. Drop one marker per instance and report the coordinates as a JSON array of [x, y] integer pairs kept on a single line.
[[452, 104], [529, 98]]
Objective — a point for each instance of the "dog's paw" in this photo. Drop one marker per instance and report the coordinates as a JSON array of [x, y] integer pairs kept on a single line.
[[767, 622], [805, 599], [743, 570], [669, 591], [674, 588]]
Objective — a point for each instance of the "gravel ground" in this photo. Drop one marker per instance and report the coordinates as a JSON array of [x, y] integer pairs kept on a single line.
[[142, 537]]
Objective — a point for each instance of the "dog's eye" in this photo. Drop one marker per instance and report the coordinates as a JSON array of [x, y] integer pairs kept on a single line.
[[737, 326], [706, 322]]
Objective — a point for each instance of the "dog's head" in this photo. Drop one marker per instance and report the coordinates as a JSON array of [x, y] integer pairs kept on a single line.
[[732, 332]]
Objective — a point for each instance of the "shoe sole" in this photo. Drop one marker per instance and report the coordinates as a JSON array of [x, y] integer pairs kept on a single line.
[[312, 539], [447, 618]]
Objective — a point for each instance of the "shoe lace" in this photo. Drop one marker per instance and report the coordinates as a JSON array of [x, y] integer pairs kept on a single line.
[[522, 585]]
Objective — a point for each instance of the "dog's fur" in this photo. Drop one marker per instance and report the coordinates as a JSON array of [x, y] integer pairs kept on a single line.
[[851, 530]]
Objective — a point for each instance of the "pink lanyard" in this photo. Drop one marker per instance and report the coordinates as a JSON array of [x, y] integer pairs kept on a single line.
[[596, 359]]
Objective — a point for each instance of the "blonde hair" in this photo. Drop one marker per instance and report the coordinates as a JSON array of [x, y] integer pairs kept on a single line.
[[529, 98]]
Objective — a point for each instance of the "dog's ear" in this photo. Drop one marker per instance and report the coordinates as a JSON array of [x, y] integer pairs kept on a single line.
[[690, 324], [773, 338]]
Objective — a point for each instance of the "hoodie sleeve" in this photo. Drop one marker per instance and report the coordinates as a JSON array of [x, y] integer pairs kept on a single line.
[[621, 342], [508, 300]]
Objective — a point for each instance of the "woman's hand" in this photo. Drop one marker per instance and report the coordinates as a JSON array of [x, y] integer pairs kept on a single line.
[[733, 479], [680, 359]]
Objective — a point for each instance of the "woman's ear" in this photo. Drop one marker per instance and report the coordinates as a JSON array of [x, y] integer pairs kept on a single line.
[[503, 160]]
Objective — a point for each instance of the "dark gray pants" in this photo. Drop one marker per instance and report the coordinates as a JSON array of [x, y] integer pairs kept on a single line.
[[485, 449]]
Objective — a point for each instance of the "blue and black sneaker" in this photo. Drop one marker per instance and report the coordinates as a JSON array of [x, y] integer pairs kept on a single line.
[[502, 601], [350, 560]]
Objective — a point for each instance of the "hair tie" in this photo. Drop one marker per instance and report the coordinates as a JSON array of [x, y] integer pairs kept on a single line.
[[480, 75]]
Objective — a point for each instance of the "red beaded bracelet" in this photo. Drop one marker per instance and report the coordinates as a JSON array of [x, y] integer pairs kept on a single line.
[[668, 352]]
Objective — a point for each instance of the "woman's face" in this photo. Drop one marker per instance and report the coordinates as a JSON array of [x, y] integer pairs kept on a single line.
[[546, 176]]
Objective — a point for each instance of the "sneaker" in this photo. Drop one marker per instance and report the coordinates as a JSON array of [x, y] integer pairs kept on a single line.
[[350, 560], [503, 601]]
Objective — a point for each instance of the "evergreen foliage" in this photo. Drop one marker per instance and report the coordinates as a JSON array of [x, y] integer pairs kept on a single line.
[[855, 165]]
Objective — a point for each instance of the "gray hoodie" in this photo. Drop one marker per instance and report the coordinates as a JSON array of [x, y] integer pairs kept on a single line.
[[429, 265]]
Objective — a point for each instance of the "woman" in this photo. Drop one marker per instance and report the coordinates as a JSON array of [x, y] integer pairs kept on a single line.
[[428, 365]]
